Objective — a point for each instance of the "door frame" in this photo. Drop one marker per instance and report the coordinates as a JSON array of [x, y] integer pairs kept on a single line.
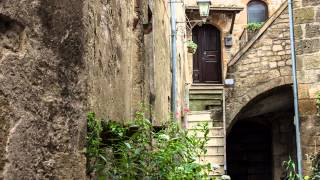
[[222, 35]]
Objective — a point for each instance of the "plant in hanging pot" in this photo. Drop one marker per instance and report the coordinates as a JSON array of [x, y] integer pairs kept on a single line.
[[192, 47]]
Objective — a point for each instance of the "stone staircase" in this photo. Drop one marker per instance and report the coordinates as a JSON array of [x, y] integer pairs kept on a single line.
[[205, 97], [206, 102]]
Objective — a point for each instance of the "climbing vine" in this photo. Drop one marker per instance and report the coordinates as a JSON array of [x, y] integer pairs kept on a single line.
[[138, 151]]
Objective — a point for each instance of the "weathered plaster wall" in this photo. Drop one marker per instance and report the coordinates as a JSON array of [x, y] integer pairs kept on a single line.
[[161, 61], [43, 89], [264, 66], [128, 65], [116, 64], [307, 19], [184, 75]]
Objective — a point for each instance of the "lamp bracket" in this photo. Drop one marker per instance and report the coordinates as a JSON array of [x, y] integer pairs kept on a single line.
[[181, 1]]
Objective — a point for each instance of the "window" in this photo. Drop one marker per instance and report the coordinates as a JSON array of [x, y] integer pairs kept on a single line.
[[257, 12]]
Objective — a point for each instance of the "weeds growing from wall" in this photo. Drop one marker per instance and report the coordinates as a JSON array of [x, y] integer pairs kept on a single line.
[[315, 159], [318, 103], [290, 167], [291, 173], [136, 151]]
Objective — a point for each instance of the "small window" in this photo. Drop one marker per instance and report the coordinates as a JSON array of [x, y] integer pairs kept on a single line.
[[257, 12]]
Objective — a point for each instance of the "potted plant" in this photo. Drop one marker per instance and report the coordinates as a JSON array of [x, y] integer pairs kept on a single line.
[[192, 47], [253, 28]]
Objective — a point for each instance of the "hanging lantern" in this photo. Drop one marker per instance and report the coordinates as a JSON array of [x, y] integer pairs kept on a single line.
[[204, 7]]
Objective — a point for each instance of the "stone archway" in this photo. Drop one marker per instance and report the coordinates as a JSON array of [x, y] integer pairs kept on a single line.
[[262, 136], [239, 98]]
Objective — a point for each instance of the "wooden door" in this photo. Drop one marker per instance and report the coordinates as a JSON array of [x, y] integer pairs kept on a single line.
[[207, 59]]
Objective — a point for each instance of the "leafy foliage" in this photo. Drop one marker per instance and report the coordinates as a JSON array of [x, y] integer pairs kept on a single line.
[[315, 166], [254, 26], [94, 153], [292, 174], [290, 167], [318, 103], [192, 47], [138, 152]]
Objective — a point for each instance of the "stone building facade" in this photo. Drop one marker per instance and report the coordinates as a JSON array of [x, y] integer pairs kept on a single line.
[[262, 94], [307, 34], [61, 59]]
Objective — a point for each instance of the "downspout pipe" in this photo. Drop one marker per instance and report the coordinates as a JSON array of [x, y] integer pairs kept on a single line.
[[173, 58], [295, 89]]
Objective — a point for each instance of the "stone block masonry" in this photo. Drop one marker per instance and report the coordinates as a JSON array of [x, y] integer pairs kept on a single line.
[[264, 66], [307, 13]]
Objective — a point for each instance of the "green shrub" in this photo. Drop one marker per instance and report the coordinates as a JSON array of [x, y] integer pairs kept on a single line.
[[254, 26], [95, 155], [138, 152], [290, 168]]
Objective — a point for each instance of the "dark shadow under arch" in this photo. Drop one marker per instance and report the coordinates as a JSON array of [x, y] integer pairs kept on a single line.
[[262, 136]]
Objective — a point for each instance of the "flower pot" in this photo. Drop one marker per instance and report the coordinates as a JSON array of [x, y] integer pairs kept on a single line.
[[191, 50]]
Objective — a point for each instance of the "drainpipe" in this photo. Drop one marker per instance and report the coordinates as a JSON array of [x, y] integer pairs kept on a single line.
[[225, 168], [295, 88], [173, 58]]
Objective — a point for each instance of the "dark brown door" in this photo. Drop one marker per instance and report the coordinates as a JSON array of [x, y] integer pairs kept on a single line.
[[207, 60]]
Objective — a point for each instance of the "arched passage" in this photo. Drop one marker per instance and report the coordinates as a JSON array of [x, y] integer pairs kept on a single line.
[[262, 137]]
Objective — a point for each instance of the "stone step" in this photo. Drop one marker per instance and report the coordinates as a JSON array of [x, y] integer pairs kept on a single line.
[[215, 141], [215, 150], [204, 84], [197, 96], [218, 172], [194, 124], [199, 112], [216, 159], [199, 117], [204, 91], [200, 105], [213, 132]]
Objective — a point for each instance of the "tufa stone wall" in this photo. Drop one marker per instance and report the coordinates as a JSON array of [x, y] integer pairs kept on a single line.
[[59, 60], [307, 19], [264, 65], [160, 62], [43, 93], [115, 59]]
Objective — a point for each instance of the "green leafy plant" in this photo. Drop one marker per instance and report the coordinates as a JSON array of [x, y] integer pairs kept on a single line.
[[95, 155], [318, 103], [138, 151], [192, 47], [254, 26], [290, 168], [315, 159]]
